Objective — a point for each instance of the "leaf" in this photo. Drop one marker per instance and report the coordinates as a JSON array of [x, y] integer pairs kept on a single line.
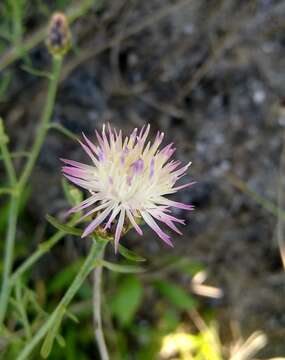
[[36, 72], [51, 335], [127, 300], [65, 228], [121, 268], [72, 317], [60, 340], [129, 254], [176, 295]]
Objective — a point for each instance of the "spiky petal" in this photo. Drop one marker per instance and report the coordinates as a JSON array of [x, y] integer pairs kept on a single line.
[[128, 180]]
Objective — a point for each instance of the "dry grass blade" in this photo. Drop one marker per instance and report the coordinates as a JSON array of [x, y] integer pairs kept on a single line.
[[247, 349]]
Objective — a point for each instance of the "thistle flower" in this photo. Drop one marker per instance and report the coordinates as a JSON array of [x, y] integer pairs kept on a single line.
[[127, 182]]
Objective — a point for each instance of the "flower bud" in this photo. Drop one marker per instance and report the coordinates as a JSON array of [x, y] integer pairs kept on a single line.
[[59, 37]]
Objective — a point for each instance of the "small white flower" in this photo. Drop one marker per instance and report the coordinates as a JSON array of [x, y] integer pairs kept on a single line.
[[128, 179]]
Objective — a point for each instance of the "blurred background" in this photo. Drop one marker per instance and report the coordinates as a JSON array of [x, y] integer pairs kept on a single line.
[[210, 74]]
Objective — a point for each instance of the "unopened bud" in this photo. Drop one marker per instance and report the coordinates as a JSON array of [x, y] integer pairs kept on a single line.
[[59, 37]]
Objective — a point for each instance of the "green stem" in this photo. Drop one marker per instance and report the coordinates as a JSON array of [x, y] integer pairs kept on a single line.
[[17, 23], [63, 130], [97, 317], [6, 156], [43, 128], [12, 224], [5, 191], [95, 252], [17, 154], [14, 206], [22, 310], [8, 256], [42, 249]]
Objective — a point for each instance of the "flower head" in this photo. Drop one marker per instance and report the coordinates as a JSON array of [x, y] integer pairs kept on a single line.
[[59, 36], [128, 181]]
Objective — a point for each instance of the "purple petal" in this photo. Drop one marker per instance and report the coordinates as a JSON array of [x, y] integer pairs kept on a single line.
[[112, 217], [97, 208], [150, 221], [99, 219], [82, 183], [77, 164], [184, 186], [90, 144], [80, 173], [89, 153], [84, 204]]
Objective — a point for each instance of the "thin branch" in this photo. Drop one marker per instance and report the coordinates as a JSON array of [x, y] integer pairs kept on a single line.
[[97, 276]]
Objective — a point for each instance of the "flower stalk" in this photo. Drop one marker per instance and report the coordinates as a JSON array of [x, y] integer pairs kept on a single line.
[[20, 185], [12, 223], [94, 255], [43, 128], [99, 335]]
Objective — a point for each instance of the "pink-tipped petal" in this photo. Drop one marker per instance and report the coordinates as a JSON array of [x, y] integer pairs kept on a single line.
[[150, 221], [90, 144], [180, 187], [133, 222], [96, 209], [119, 229], [89, 153], [77, 164], [83, 183], [75, 172], [112, 217], [99, 219], [84, 204]]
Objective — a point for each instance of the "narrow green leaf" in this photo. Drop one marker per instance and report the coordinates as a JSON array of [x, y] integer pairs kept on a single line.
[[63, 130], [127, 300], [176, 295], [65, 228], [72, 317], [51, 335], [121, 268], [129, 254], [36, 72], [60, 340]]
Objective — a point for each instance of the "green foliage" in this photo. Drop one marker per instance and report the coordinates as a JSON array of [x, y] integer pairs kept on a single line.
[[122, 268], [4, 210], [5, 81], [176, 295], [126, 300], [51, 335], [65, 228], [73, 195], [129, 254]]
